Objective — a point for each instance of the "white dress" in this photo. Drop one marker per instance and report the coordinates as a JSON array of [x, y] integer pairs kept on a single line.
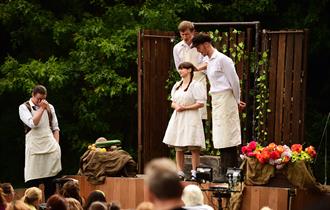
[[186, 128]]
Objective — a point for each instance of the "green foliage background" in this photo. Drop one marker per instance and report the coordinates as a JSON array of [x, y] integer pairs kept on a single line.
[[84, 52]]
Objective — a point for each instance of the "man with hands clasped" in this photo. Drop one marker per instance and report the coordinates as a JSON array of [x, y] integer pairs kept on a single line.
[[42, 149]]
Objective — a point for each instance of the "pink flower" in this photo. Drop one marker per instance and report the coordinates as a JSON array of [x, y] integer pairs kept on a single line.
[[244, 149], [251, 154], [253, 145]]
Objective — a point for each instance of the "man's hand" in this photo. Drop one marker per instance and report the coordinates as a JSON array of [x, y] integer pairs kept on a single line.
[[43, 104], [241, 106]]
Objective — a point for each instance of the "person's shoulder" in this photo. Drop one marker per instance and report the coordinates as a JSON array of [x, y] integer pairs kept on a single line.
[[178, 45], [196, 83], [24, 105]]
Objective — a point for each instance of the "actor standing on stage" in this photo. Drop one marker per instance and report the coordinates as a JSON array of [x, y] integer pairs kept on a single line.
[[225, 93], [182, 52], [42, 149], [185, 128]]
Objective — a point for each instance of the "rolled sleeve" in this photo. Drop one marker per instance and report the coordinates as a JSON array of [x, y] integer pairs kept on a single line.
[[54, 122], [26, 116]]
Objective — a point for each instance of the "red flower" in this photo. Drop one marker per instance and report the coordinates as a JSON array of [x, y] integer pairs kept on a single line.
[[311, 151], [275, 155], [244, 149]]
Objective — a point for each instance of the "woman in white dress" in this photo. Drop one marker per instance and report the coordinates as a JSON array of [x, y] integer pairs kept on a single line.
[[185, 128]]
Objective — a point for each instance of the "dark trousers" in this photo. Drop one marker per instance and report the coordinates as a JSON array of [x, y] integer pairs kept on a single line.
[[49, 185], [229, 159]]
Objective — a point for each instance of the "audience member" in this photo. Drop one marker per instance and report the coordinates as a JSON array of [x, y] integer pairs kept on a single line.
[[265, 208], [146, 205], [163, 185], [73, 204], [193, 198], [8, 191], [98, 205], [32, 197], [96, 195], [3, 203], [114, 206], [160, 165], [56, 202], [17, 205], [71, 190]]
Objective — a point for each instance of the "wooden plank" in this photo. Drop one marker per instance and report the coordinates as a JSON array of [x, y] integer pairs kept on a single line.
[[279, 89], [287, 111], [256, 197], [128, 192], [158, 48], [139, 78], [146, 105], [303, 87], [273, 56], [297, 87], [248, 97]]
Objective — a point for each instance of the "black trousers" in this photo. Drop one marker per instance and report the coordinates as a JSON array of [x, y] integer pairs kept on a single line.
[[49, 185], [229, 159]]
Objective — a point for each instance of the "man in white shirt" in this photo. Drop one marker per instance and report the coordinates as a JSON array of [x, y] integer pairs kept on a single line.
[[225, 93], [42, 149], [182, 52]]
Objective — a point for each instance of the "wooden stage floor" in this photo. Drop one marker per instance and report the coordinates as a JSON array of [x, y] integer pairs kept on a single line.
[[129, 192]]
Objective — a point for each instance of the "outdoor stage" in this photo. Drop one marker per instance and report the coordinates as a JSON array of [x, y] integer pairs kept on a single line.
[[129, 192]]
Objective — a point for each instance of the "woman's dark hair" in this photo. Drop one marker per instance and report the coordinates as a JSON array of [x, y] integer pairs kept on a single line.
[[96, 195], [187, 65]]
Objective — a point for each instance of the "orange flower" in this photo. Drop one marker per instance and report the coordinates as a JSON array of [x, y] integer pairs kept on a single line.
[[271, 146], [280, 149], [296, 148]]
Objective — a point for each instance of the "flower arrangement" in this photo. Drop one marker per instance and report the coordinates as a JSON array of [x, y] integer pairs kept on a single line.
[[278, 155]]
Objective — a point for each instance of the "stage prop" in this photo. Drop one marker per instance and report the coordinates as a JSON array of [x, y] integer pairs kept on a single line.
[[101, 161]]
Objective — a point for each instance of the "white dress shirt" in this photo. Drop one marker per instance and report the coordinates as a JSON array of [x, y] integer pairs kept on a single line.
[[26, 116], [222, 74], [182, 52]]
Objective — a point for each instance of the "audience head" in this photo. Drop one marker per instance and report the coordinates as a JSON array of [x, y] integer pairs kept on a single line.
[[8, 191], [145, 206], [114, 206], [98, 205], [56, 202], [71, 190], [33, 196], [73, 204], [17, 205], [265, 208], [162, 179], [96, 195], [3, 202], [192, 195], [160, 165]]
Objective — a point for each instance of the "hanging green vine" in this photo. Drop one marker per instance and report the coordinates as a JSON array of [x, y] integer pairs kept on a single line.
[[262, 99]]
